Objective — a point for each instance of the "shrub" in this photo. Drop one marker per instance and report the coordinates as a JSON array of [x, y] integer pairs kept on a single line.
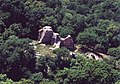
[[115, 52]]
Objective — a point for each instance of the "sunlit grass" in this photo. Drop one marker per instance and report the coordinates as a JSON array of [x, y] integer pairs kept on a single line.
[[44, 50]]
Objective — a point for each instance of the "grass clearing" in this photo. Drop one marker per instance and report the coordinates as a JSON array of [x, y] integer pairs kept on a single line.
[[44, 50]]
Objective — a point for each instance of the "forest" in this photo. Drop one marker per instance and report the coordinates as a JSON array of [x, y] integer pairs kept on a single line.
[[91, 23]]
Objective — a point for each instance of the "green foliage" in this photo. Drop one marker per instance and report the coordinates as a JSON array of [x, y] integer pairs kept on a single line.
[[46, 65], [102, 37], [48, 82], [118, 64], [87, 38], [19, 31], [65, 31], [24, 81], [53, 4], [62, 53], [88, 72], [17, 56], [15, 29], [37, 77], [5, 80], [118, 82], [4, 15], [114, 52], [94, 23], [100, 48], [116, 40], [7, 34], [3, 77], [62, 58], [74, 16], [2, 26]]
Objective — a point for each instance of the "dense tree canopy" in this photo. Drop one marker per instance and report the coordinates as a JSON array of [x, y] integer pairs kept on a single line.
[[65, 16], [89, 72], [92, 23], [16, 57]]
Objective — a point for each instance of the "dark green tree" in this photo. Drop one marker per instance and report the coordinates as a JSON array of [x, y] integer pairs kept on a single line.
[[87, 71], [62, 58], [115, 52], [37, 77], [17, 57]]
